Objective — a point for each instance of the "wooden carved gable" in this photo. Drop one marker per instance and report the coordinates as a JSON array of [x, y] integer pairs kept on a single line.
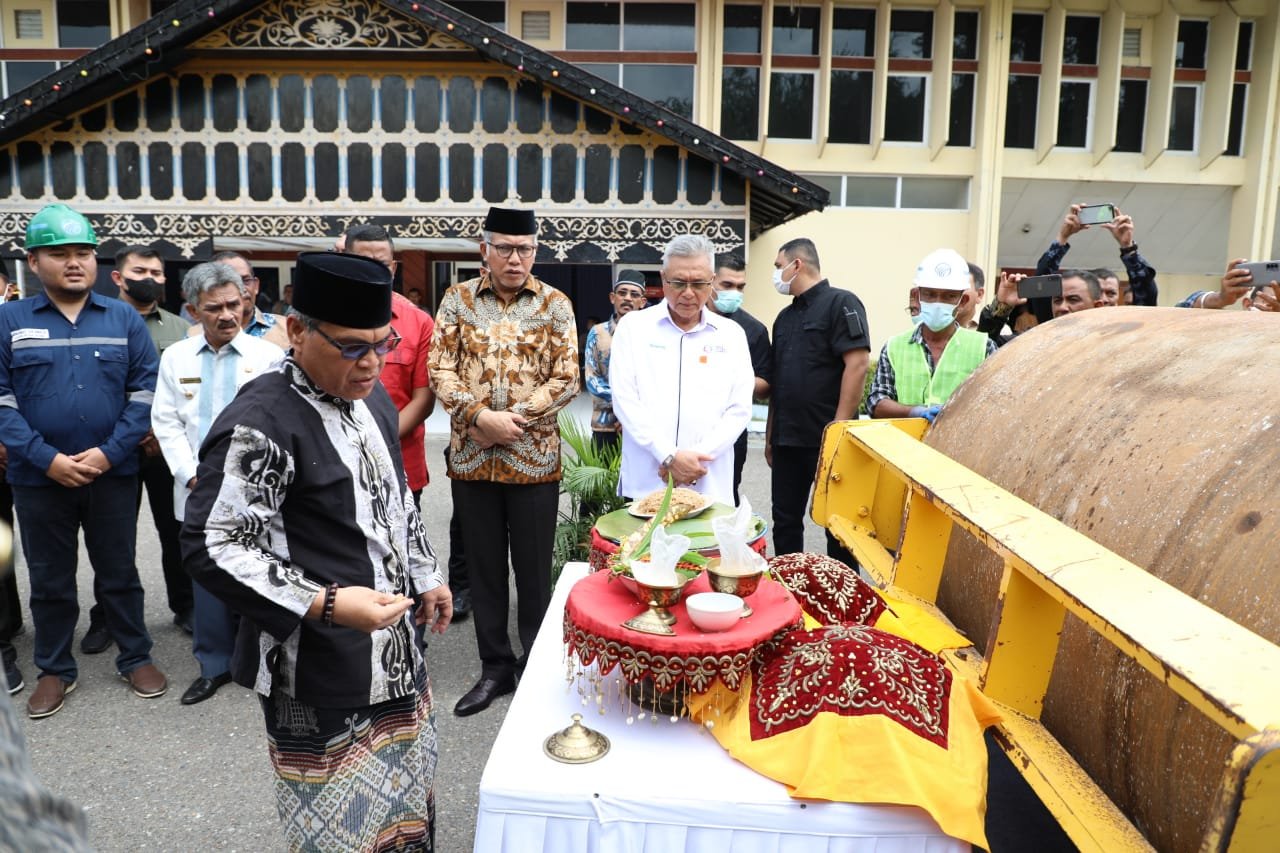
[[327, 25]]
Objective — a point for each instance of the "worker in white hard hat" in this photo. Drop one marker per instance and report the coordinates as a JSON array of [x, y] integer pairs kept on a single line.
[[919, 369]]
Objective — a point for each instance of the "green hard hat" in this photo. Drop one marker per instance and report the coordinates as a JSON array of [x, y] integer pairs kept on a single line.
[[58, 225]]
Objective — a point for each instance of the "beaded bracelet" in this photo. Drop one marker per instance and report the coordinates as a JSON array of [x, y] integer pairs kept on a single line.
[[330, 598]]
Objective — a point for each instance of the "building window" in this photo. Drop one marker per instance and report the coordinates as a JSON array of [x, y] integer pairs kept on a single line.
[[853, 32], [853, 43], [592, 26], [650, 28], [906, 104], [668, 85], [793, 82], [795, 30], [83, 23], [1193, 44], [910, 34], [850, 115], [1184, 108], [742, 29], [658, 26], [1240, 89], [20, 75], [894, 191], [740, 103], [1074, 108], [791, 105], [1026, 37], [492, 12], [1075, 95], [1131, 111], [740, 78], [963, 83], [1080, 41], [1184, 118]]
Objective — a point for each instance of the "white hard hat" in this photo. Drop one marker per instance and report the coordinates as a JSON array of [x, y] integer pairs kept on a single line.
[[943, 269]]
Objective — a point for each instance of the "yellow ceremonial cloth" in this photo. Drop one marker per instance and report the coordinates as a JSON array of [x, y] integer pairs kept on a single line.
[[862, 755]]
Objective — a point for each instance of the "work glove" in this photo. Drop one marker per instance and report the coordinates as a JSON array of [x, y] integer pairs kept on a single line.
[[926, 412]]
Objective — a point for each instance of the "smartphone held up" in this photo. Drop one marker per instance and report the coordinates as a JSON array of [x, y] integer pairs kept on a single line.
[[1040, 287], [1097, 214]]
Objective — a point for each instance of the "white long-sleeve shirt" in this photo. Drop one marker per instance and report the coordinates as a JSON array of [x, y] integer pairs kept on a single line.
[[676, 390], [195, 384]]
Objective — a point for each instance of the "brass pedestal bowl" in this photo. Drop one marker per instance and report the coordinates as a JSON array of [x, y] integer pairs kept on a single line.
[[734, 584]]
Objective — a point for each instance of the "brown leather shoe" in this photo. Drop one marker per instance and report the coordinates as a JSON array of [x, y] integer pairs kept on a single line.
[[147, 681], [51, 690]]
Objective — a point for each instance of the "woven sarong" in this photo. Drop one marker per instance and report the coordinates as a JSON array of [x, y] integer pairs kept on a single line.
[[354, 779]]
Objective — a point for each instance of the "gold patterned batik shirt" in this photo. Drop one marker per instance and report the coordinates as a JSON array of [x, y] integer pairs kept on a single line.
[[520, 356]]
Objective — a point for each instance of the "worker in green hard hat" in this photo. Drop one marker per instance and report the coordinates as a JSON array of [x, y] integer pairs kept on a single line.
[[77, 376]]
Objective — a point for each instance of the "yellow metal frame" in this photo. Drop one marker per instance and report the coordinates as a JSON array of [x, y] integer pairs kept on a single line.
[[893, 501]]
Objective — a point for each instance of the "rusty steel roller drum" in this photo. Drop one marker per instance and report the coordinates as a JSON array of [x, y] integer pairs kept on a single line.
[[1154, 431]]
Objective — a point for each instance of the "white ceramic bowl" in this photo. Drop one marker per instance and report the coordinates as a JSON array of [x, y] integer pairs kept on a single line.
[[714, 611]]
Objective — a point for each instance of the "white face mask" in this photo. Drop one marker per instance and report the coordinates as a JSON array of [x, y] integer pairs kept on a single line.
[[937, 315], [780, 284]]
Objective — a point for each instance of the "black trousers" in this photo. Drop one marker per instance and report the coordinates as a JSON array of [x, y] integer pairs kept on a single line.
[[793, 473], [739, 460], [154, 476], [459, 580], [498, 519]]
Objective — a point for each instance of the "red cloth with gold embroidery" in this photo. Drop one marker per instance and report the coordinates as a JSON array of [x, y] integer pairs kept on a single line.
[[599, 604], [853, 714], [828, 590], [832, 593]]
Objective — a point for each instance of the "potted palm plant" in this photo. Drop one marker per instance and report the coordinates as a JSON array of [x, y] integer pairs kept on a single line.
[[590, 478]]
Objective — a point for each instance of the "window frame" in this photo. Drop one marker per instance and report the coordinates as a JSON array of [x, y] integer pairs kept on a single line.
[[813, 123], [1198, 113]]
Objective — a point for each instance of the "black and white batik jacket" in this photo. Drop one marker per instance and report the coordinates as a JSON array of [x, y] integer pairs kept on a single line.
[[297, 489]]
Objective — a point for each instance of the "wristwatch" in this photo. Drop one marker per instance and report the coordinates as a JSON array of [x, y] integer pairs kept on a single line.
[[666, 463], [1002, 309], [1129, 250]]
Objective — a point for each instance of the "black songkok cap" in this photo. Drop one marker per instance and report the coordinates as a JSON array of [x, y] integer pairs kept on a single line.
[[346, 290], [632, 277], [504, 220]]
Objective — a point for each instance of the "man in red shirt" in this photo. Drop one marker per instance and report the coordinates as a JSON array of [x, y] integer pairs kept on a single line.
[[404, 374]]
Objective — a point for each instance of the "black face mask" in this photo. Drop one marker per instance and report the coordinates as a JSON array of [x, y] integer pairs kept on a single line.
[[144, 290]]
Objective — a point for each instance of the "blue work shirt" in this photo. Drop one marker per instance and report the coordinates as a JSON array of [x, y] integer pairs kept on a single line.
[[67, 387]]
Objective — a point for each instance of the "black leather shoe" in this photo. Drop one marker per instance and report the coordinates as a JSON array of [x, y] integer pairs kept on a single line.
[[461, 605], [183, 621], [96, 640], [202, 688], [482, 695]]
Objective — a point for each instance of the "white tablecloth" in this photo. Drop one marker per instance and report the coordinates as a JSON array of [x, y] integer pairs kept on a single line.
[[662, 788]]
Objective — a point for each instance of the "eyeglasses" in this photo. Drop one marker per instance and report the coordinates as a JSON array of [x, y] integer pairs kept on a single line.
[[630, 294], [248, 279], [504, 250], [682, 286], [355, 352]]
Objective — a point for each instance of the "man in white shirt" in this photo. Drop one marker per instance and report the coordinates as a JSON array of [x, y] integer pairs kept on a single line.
[[198, 377], [682, 381]]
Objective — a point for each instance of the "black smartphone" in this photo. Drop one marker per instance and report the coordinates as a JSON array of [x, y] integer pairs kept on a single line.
[[1040, 286], [1096, 214]]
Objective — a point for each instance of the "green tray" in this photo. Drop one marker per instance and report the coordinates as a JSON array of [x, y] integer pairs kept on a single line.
[[620, 524]]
